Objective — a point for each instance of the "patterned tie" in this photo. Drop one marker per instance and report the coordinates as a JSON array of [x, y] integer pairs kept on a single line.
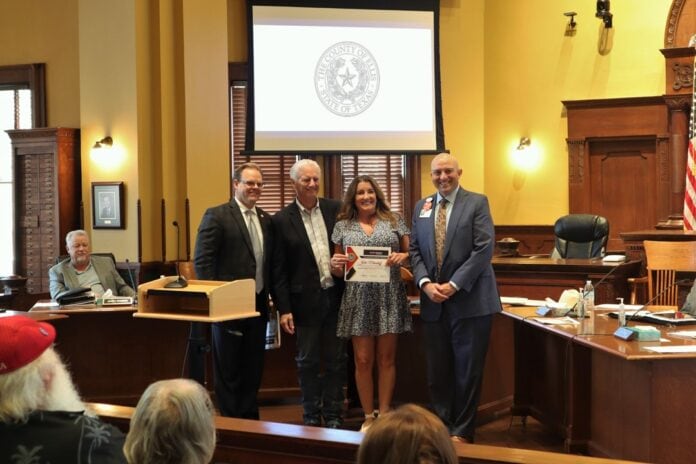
[[440, 233], [258, 249]]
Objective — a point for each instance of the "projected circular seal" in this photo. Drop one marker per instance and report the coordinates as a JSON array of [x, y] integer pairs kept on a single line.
[[346, 79]]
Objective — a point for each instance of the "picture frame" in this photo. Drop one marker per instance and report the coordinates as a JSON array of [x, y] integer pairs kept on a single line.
[[107, 205]]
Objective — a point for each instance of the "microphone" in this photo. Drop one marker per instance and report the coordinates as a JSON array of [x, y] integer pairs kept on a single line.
[[659, 294], [546, 310], [132, 280], [625, 332], [180, 282], [611, 271]]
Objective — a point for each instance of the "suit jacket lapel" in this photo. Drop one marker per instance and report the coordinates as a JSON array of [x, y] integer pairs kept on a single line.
[[431, 225], [455, 215], [298, 225], [241, 224]]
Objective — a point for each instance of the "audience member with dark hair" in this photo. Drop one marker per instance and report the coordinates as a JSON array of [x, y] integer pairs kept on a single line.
[[42, 418], [408, 435], [173, 423]]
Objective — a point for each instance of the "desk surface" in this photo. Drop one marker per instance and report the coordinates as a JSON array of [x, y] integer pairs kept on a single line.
[[35, 316], [541, 263], [597, 332]]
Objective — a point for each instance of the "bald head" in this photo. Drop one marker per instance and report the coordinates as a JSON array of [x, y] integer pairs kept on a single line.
[[445, 173]]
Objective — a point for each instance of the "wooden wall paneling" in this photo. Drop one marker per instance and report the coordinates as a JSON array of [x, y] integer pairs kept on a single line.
[[534, 239]]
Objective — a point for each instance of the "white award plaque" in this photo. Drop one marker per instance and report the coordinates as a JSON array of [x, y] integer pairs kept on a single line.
[[367, 264]]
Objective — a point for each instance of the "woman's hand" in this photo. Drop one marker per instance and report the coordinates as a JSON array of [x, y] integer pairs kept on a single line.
[[397, 259], [338, 263]]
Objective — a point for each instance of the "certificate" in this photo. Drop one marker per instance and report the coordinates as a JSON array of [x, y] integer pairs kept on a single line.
[[367, 264]]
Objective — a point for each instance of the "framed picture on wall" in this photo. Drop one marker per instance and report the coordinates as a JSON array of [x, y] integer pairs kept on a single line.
[[107, 205]]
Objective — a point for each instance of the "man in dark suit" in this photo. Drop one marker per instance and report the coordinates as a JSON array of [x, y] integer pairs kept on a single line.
[[452, 245], [308, 296], [235, 242]]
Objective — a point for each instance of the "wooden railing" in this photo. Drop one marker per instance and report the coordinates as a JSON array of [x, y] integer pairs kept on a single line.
[[260, 442]]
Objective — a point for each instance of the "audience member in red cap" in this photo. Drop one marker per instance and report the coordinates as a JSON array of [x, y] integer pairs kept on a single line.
[[42, 418]]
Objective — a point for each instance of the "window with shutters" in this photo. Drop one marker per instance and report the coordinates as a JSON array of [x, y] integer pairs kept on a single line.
[[21, 107], [388, 171], [278, 191]]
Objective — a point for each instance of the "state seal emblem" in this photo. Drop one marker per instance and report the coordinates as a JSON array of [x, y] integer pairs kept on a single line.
[[346, 79]]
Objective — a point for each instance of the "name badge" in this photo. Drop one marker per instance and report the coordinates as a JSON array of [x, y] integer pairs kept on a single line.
[[427, 209]]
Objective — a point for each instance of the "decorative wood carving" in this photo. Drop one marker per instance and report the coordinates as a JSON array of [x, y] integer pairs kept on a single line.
[[680, 23], [683, 76]]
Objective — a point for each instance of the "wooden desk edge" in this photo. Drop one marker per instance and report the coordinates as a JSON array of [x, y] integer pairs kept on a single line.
[[292, 433]]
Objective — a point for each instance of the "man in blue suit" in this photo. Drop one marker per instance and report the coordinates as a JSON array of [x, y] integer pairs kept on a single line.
[[452, 244]]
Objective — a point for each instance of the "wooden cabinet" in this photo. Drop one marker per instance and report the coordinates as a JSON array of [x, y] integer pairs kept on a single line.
[[47, 202]]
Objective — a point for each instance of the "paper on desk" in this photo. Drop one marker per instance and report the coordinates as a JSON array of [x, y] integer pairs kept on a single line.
[[684, 333], [672, 349], [556, 320], [521, 301], [46, 304], [615, 307]]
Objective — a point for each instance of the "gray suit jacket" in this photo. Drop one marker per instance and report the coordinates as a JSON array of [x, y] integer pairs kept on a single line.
[[63, 277], [469, 245]]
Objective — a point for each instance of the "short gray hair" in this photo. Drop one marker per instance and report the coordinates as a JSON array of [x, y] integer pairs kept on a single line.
[[295, 169], [73, 233], [173, 422]]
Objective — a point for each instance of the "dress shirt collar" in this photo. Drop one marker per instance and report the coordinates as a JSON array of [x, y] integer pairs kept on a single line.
[[450, 198], [243, 208], [306, 210]]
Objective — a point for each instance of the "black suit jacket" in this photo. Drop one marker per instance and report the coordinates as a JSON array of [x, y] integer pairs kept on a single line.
[[296, 284], [224, 250]]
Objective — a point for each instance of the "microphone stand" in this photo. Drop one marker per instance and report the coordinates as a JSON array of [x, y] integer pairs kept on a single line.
[[180, 281]]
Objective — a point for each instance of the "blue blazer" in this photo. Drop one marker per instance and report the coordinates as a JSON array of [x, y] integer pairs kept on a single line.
[[469, 246]]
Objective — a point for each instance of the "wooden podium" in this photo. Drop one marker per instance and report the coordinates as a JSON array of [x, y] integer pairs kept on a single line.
[[200, 301]]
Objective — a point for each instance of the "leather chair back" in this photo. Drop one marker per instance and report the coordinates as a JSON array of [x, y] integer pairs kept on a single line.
[[581, 236]]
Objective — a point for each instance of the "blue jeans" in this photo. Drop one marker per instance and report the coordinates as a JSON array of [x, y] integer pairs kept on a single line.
[[317, 345]]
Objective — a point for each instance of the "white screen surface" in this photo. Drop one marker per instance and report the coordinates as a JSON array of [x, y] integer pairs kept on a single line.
[[341, 79]]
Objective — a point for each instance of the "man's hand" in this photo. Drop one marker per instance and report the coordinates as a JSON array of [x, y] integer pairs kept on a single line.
[[287, 323], [434, 292]]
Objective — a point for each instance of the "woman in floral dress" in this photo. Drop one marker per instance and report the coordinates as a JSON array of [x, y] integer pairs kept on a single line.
[[372, 314]]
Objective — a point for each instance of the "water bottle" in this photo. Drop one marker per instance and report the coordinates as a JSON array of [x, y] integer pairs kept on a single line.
[[588, 298]]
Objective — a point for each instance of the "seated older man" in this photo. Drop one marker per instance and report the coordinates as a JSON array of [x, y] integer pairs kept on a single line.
[[173, 423], [42, 418], [84, 270]]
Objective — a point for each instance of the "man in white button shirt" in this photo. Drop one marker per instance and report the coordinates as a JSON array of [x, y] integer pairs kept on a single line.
[[234, 242], [308, 296]]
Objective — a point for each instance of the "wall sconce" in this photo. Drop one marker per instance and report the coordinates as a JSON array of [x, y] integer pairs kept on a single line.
[[571, 24], [603, 7], [524, 156], [524, 143], [106, 142]]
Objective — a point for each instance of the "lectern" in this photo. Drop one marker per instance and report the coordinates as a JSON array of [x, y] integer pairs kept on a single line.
[[201, 301]]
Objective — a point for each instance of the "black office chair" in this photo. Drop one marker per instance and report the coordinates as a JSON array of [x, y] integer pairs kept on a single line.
[[580, 236]]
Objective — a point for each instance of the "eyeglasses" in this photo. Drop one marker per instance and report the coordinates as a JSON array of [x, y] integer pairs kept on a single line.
[[446, 171], [252, 183]]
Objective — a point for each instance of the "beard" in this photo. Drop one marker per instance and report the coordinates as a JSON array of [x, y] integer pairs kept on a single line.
[[61, 394]]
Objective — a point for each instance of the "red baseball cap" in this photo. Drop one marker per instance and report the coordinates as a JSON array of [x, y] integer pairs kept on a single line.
[[22, 340]]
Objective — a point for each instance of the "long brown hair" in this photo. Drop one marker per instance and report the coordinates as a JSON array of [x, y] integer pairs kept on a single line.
[[350, 212]]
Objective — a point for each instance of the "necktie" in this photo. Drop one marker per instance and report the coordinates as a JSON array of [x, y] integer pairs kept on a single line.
[[440, 233], [258, 249]]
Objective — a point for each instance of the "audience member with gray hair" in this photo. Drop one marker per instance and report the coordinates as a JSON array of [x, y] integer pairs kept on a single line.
[[172, 423]]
